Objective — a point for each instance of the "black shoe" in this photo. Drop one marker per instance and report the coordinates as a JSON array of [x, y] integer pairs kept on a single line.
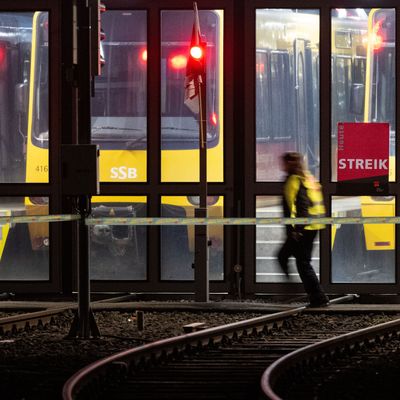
[[315, 304], [320, 300]]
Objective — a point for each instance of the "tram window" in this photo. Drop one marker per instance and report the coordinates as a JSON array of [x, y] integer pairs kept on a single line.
[[41, 132], [363, 253], [280, 84], [263, 94], [287, 93], [357, 94], [119, 107], [272, 85], [177, 242], [120, 90], [382, 107], [118, 252], [15, 58], [301, 98], [341, 89], [348, 70], [372, 80], [180, 123], [383, 104], [359, 66]]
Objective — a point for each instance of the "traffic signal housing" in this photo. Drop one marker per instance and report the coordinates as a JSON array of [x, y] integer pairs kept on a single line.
[[197, 59]]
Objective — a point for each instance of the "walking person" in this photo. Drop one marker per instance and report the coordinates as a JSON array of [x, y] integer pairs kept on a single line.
[[302, 197]]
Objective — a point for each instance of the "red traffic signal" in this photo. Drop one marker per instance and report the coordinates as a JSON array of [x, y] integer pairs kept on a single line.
[[196, 52], [197, 58]]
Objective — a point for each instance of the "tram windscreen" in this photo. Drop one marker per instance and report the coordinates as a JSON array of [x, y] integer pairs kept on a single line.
[[179, 125], [119, 108]]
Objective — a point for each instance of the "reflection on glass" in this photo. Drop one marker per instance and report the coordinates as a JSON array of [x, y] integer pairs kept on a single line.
[[363, 72], [287, 88], [177, 242], [119, 108], [37, 102], [24, 248], [179, 122], [118, 252], [363, 253], [18, 134], [269, 239]]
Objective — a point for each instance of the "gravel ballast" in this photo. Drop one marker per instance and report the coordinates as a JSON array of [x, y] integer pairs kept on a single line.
[[35, 364]]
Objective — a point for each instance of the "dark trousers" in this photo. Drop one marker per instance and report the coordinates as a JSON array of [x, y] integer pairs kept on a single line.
[[301, 249]]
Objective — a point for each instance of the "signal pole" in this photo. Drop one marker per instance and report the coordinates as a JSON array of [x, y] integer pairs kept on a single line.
[[201, 271], [88, 64], [195, 86]]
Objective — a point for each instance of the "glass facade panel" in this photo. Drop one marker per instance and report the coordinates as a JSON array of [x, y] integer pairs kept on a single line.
[[24, 248], [177, 242], [179, 121], [119, 108], [118, 252], [24, 103], [363, 72], [269, 239], [363, 253], [287, 89]]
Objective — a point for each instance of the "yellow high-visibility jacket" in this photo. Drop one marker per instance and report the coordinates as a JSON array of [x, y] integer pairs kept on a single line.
[[303, 198]]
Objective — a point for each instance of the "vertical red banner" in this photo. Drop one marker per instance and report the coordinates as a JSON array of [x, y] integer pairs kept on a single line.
[[363, 153]]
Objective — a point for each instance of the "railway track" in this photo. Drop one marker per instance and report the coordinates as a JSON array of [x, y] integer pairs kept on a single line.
[[30, 320], [311, 371], [216, 363]]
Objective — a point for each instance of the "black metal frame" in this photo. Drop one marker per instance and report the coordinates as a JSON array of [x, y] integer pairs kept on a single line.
[[254, 188], [51, 189], [154, 188], [239, 187]]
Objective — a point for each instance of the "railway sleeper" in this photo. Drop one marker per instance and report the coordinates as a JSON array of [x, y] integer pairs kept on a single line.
[[19, 326], [259, 330], [194, 327], [170, 352], [204, 342], [216, 340], [118, 369], [6, 329]]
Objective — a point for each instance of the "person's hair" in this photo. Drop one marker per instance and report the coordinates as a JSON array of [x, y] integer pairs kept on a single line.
[[295, 163]]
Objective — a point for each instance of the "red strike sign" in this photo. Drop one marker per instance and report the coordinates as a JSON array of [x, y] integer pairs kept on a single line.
[[363, 151]]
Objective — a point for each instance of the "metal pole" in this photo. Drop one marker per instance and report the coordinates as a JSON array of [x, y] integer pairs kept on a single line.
[[83, 277], [201, 272], [84, 325]]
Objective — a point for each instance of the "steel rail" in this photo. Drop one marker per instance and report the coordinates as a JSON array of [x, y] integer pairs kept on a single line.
[[28, 320], [166, 347], [35, 318], [148, 353], [318, 351]]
